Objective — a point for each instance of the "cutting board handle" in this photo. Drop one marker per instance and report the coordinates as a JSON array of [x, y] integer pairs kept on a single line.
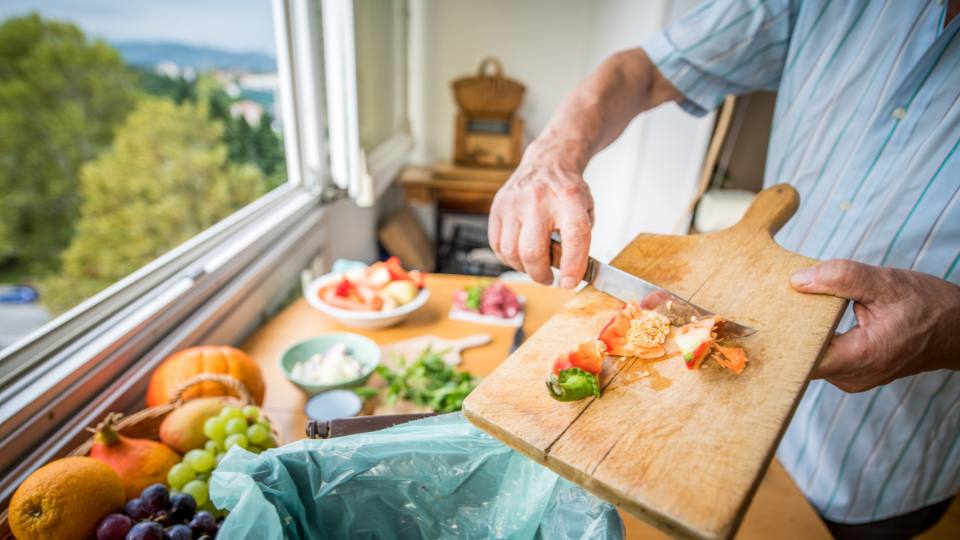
[[770, 210]]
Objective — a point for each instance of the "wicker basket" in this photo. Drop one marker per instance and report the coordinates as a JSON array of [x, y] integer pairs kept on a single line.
[[145, 424], [488, 96]]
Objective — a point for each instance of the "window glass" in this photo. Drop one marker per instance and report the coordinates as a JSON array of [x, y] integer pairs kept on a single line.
[[125, 129], [380, 33]]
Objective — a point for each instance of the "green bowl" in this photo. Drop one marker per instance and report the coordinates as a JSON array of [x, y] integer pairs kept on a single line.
[[363, 349]]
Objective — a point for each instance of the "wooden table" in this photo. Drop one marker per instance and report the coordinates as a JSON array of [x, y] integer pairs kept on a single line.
[[778, 509], [452, 187]]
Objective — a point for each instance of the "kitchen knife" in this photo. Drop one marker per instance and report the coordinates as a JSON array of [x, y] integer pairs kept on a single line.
[[517, 339], [630, 288]]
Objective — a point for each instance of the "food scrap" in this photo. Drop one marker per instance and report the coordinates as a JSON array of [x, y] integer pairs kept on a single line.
[[382, 286], [634, 332], [575, 374]]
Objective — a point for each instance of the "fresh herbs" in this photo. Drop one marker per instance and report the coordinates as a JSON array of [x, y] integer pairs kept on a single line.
[[475, 295], [429, 382]]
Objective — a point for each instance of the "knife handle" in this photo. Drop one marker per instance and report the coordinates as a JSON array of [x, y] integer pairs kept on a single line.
[[556, 252]]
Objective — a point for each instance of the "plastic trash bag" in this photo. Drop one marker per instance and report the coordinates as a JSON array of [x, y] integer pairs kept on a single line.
[[439, 477]]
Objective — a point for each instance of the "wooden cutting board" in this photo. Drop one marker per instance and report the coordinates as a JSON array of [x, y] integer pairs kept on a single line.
[[681, 449]]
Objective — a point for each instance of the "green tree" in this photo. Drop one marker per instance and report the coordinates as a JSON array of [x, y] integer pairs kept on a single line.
[[268, 148], [166, 178], [259, 144], [61, 97]]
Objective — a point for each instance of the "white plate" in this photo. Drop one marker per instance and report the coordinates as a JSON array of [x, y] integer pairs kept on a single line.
[[360, 319]]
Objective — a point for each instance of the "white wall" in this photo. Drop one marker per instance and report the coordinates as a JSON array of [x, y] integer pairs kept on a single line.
[[640, 183]]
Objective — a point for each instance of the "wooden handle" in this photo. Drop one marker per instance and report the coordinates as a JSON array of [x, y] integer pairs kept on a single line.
[[224, 380], [474, 340], [556, 252], [486, 63], [770, 210]]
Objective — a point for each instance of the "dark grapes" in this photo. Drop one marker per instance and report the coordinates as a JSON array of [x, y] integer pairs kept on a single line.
[[136, 510], [182, 507], [179, 532], [146, 530], [114, 527], [204, 523], [155, 498]]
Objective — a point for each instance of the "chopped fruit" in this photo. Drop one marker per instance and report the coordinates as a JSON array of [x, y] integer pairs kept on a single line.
[[401, 291], [379, 287], [417, 278], [732, 358], [379, 276], [396, 269], [587, 356], [573, 384], [694, 340], [634, 331], [343, 288]]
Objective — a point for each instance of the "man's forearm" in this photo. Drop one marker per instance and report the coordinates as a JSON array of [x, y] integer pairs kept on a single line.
[[599, 109]]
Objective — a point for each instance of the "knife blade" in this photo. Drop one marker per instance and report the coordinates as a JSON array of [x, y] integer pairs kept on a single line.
[[517, 339], [630, 288]]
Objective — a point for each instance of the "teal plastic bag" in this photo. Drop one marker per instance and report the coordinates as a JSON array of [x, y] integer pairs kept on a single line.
[[439, 477]]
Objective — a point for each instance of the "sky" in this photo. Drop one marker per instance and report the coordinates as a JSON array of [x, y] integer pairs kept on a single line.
[[236, 25]]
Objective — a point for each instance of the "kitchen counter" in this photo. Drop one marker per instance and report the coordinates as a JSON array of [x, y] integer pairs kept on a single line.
[[778, 509]]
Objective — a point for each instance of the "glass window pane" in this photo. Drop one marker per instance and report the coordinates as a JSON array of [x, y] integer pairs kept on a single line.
[[380, 33], [125, 129]]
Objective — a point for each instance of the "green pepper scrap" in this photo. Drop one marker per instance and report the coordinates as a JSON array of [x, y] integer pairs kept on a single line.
[[573, 384]]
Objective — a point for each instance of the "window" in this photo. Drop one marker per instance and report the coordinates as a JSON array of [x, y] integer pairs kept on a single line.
[[126, 133], [211, 173], [380, 30], [365, 50]]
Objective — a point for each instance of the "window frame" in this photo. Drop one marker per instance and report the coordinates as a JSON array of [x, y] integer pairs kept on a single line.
[[365, 175], [97, 357]]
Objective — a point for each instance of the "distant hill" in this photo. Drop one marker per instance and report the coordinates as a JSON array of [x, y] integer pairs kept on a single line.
[[149, 54]]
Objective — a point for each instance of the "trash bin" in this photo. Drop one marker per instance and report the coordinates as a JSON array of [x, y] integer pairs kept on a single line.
[[439, 477]]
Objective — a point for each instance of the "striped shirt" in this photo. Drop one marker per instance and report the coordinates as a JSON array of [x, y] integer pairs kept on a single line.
[[866, 127]]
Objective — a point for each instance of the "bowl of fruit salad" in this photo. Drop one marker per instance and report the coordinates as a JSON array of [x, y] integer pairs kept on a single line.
[[375, 296]]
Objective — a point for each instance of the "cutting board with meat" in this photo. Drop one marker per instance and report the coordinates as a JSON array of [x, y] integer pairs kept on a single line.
[[683, 449]]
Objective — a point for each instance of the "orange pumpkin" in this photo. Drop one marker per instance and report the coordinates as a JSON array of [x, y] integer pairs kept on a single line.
[[188, 363]]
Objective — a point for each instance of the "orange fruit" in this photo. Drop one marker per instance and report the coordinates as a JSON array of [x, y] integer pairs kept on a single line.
[[65, 499]]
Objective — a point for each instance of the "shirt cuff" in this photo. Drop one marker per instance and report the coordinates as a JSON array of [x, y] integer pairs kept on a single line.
[[701, 94]]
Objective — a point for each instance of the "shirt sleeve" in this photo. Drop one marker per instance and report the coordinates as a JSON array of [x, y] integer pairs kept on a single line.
[[724, 47]]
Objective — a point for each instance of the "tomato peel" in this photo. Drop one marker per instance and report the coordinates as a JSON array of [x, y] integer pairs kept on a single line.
[[585, 356], [636, 332]]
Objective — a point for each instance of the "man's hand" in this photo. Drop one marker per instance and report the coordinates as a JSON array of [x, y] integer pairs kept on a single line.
[[545, 193], [907, 322]]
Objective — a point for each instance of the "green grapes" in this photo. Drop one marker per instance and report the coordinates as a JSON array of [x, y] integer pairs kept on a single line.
[[236, 425], [252, 412], [215, 428], [179, 475], [198, 490], [213, 446], [230, 411], [200, 460], [257, 434], [236, 439]]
